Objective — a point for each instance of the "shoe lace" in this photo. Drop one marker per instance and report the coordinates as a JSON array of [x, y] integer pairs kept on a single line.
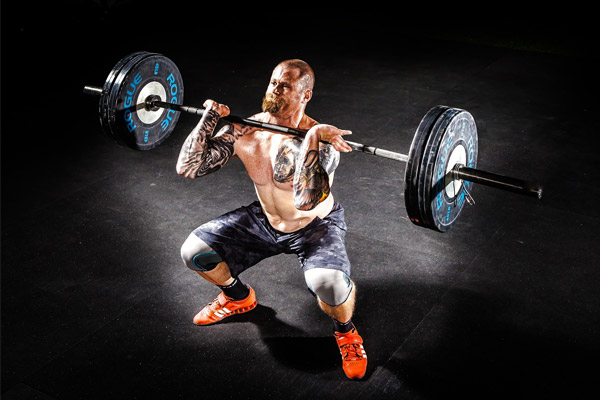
[[351, 351], [213, 305]]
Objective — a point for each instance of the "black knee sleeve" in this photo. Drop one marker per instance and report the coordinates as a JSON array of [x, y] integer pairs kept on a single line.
[[198, 256], [206, 261]]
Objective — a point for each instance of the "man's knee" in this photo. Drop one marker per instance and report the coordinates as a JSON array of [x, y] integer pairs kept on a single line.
[[198, 256], [331, 286]]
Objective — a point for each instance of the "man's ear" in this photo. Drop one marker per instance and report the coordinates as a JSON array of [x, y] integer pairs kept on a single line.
[[307, 95]]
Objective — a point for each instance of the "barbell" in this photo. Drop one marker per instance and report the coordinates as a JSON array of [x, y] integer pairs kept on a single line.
[[142, 97]]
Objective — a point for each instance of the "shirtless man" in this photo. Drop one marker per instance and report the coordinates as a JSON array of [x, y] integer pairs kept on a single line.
[[295, 212]]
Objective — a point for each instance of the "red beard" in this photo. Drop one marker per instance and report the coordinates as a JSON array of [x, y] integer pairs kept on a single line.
[[272, 104]]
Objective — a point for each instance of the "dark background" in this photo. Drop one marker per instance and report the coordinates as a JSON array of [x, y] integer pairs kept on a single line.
[[96, 302]]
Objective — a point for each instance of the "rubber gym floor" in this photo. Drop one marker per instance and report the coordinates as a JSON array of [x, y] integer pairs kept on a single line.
[[97, 304]]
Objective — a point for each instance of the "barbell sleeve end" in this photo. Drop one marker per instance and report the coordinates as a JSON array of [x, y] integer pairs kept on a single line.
[[92, 90], [497, 181]]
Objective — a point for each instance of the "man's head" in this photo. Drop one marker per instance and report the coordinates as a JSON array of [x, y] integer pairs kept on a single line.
[[290, 87]]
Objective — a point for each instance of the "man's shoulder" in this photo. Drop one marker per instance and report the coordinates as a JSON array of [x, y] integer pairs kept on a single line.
[[307, 122]]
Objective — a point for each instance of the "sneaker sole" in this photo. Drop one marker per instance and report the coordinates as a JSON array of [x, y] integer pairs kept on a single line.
[[237, 311], [358, 378]]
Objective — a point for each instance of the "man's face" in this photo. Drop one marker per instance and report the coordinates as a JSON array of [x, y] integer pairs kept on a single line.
[[285, 93]]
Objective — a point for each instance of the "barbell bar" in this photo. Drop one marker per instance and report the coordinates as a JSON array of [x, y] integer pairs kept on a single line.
[[152, 103], [142, 97], [459, 172]]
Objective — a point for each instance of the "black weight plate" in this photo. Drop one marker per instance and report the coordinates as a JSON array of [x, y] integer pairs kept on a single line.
[[453, 140], [429, 152], [112, 96], [102, 104], [415, 154], [131, 123], [108, 84], [111, 86]]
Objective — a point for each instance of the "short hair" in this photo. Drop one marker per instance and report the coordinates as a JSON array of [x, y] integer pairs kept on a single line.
[[307, 75]]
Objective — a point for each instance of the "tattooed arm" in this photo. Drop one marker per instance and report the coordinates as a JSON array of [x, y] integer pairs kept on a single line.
[[202, 153], [313, 167]]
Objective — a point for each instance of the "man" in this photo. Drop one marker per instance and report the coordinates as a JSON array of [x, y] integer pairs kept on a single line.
[[295, 212]]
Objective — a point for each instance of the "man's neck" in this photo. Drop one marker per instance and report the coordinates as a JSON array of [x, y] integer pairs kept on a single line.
[[292, 120]]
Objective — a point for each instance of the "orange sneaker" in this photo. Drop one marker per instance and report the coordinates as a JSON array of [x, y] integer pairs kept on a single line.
[[223, 307], [353, 353]]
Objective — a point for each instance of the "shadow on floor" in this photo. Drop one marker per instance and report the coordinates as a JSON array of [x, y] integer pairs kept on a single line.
[[290, 345]]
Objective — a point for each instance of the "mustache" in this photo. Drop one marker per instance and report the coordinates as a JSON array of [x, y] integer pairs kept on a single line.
[[272, 104]]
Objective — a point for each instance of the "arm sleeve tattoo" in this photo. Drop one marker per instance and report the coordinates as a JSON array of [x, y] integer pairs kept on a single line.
[[202, 153], [311, 175]]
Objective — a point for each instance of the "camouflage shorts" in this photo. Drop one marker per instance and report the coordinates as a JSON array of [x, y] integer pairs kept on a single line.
[[244, 237]]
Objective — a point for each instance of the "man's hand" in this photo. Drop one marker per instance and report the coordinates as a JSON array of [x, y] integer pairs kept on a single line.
[[221, 109], [333, 135], [202, 152]]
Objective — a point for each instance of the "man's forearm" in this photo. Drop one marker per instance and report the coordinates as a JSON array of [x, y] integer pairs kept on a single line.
[[311, 181], [199, 154]]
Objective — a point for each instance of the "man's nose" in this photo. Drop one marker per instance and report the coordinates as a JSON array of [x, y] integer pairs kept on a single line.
[[277, 89]]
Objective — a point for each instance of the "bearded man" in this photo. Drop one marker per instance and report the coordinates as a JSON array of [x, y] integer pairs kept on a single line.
[[295, 213]]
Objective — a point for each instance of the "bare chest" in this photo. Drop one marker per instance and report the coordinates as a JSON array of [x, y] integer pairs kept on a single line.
[[270, 159]]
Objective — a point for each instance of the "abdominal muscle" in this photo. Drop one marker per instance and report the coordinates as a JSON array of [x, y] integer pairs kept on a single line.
[[278, 206], [258, 153]]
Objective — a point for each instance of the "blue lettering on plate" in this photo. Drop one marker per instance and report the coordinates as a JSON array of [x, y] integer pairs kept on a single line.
[[129, 101], [173, 89]]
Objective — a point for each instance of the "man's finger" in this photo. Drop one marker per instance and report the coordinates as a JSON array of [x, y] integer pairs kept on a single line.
[[343, 146]]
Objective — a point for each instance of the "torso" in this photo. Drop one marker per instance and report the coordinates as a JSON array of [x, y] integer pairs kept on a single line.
[[270, 160]]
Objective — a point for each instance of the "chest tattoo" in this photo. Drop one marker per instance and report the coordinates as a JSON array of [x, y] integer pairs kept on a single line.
[[285, 161]]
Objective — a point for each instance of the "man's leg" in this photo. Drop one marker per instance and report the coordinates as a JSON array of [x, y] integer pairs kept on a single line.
[[343, 312], [336, 295], [236, 297], [220, 275]]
